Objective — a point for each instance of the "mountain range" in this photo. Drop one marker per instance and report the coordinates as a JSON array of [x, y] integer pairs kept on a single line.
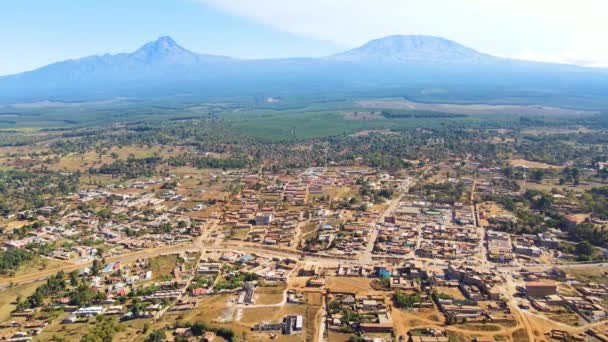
[[399, 65]]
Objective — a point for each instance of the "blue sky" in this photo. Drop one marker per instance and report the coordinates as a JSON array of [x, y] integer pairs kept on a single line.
[[37, 32]]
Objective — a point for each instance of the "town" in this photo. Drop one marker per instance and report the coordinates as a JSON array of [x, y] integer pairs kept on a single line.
[[317, 254]]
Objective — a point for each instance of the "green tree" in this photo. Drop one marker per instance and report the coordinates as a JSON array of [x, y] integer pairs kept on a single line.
[[156, 336], [584, 250]]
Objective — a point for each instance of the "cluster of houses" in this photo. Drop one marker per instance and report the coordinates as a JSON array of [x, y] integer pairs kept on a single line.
[[442, 236], [430, 230], [544, 295], [372, 310], [148, 214]]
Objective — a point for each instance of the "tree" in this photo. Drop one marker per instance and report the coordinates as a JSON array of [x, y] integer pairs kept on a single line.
[[84, 295], [403, 300], [584, 250], [156, 336], [96, 267], [198, 328], [105, 213], [226, 334], [74, 278]]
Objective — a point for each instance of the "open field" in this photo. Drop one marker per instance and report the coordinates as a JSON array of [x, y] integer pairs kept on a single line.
[[348, 284], [404, 320], [272, 294], [532, 164], [468, 108], [339, 337], [39, 263], [9, 295], [596, 274], [453, 292], [162, 266]]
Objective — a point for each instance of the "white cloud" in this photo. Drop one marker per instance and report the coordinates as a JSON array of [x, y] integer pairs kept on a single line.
[[553, 28]]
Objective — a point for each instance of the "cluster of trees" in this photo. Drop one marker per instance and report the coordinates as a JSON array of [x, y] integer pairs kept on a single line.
[[376, 196], [79, 292], [208, 163], [596, 201], [571, 175], [587, 231], [535, 212], [404, 300], [104, 329], [11, 259], [21, 190], [235, 281], [441, 192], [349, 318], [546, 150], [54, 285], [584, 250], [131, 168], [200, 281]]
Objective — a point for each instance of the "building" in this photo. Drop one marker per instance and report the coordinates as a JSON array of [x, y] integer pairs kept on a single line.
[[541, 288], [309, 271], [573, 220], [89, 311], [316, 282], [293, 324], [377, 327], [263, 219]]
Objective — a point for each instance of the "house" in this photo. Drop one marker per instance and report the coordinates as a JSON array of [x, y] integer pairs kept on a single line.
[[377, 327], [370, 305], [348, 300], [309, 271], [89, 311], [316, 282], [183, 332], [199, 291]]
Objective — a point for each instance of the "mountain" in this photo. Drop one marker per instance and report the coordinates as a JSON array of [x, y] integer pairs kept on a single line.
[[394, 65], [413, 48], [158, 58]]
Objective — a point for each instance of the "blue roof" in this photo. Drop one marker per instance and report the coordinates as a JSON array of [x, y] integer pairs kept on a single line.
[[383, 273], [245, 258], [109, 267]]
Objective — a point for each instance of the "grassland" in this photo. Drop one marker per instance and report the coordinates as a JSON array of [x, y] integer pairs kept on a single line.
[[9, 295], [163, 265], [272, 294], [479, 108]]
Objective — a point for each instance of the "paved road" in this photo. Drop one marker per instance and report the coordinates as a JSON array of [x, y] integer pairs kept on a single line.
[[366, 256]]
